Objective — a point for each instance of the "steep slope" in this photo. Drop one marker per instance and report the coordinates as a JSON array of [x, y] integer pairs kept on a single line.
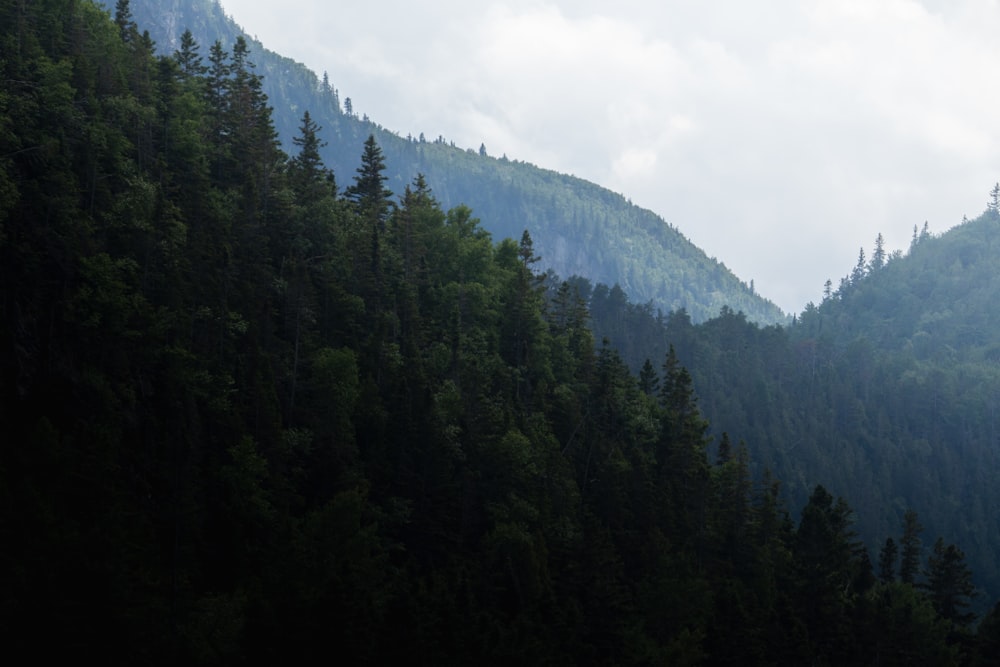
[[888, 390], [939, 303], [578, 227], [248, 422], [915, 350]]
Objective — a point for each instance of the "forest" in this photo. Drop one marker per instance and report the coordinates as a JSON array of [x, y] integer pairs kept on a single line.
[[578, 227], [256, 411], [885, 391]]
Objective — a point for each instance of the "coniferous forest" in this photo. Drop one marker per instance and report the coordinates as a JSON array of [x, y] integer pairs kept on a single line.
[[578, 227], [253, 411]]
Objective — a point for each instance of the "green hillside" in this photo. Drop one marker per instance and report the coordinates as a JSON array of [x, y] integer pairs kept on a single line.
[[888, 390], [250, 418], [578, 227]]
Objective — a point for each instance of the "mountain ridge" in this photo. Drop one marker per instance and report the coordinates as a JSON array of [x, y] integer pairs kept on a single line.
[[887, 390], [578, 227], [251, 420]]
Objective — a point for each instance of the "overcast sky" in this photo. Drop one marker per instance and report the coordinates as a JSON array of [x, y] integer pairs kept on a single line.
[[780, 136]]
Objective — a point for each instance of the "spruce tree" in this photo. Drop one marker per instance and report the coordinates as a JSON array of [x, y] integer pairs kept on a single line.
[[949, 583], [372, 200], [878, 255], [909, 564], [187, 57], [123, 19], [649, 382], [887, 561], [310, 179]]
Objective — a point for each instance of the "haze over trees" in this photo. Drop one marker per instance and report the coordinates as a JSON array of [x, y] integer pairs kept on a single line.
[[885, 390], [578, 227], [253, 416]]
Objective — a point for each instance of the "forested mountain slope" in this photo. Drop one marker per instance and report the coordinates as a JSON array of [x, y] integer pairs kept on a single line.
[[250, 419], [889, 390], [578, 227]]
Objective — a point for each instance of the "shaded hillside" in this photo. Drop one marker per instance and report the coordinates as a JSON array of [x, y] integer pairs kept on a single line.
[[940, 304], [578, 227], [889, 389], [249, 420]]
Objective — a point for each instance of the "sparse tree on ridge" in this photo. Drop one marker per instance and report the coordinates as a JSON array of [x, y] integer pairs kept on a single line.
[[878, 255]]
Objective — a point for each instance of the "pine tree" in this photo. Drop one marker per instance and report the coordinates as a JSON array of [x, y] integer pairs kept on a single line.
[[123, 19], [831, 571], [526, 250], [909, 564], [187, 57], [681, 453], [649, 381], [216, 98], [887, 561], [949, 583], [878, 255], [372, 200], [860, 269], [309, 178]]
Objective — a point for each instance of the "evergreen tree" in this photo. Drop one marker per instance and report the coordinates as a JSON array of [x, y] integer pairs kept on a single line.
[[526, 250], [949, 583], [986, 651], [225, 445], [649, 381], [681, 454], [878, 255], [123, 19], [887, 561], [909, 563], [826, 554], [372, 200], [309, 177], [860, 269], [188, 58]]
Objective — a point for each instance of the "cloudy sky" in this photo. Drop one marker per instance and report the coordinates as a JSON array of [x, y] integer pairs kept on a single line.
[[780, 136]]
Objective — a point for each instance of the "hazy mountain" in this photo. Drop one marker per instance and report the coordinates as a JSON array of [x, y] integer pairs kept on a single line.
[[248, 420], [883, 390], [578, 227], [888, 390]]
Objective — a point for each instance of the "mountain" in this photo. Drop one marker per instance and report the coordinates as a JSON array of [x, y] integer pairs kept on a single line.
[[883, 390], [887, 390], [248, 420], [578, 228]]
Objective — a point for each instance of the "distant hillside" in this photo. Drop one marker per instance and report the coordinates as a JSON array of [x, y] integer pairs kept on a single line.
[[888, 390], [247, 420], [938, 304], [578, 228]]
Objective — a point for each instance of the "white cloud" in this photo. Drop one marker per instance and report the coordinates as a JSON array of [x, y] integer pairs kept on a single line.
[[778, 136]]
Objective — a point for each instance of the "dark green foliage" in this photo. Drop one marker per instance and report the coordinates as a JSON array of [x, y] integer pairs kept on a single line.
[[578, 227], [909, 564], [247, 420], [887, 561], [883, 391], [987, 646], [949, 583], [369, 193]]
